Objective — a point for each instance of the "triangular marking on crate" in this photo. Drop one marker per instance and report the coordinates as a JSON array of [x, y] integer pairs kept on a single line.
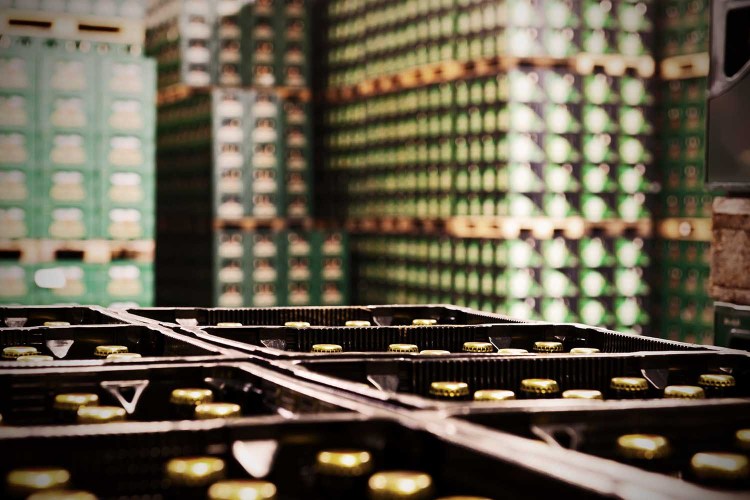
[[115, 386], [256, 457], [657, 377], [274, 344], [59, 348], [386, 383], [187, 321]]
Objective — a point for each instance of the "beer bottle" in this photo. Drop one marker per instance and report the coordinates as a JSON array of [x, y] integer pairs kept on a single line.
[[629, 388], [478, 347], [190, 477], [342, 474], [357, 323], [742, 439], [424, 322], [242, 489], [434, 352], [66, 406], [228, 324], [102, 351], [722, 470], [297, 324], [539, 388], [584, 350], [16, 352], [35, 358], [21, 483], [684, 392], [403, 348], [56, 323], [327, 348], [647, 451], [548, 347], [207, 411], [717, 385], [400, 484], [100, 414], [62, 495], [449, 390], [512, 351], [184, 401], [582, 394], [123, 355], [491, 395]]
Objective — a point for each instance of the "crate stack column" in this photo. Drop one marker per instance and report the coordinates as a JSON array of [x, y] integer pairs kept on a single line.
[[77, 166]]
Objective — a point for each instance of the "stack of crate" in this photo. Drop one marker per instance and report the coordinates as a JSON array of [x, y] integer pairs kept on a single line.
[[685, 203], [524, 114], [235, 157], [77, 142]]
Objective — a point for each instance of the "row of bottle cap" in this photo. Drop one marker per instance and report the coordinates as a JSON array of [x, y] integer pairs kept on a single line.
[[29, 354]]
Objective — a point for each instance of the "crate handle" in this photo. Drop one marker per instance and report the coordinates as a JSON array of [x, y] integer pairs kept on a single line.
[[30, 23], [115, 386]]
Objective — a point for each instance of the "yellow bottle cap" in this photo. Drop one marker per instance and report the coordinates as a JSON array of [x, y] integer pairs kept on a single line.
[[463, 497], [35, 358], [357, 323], [242, 490], [124, 355], [424, 322], [191, 396], [494, 395], [229, 323], [478, 347], [403, 348], [56, 323], [344, 462], [327, 348], [742, 438], [643, 446], [548, 347], [720, 466], [205, 411], [582, 394], [62, 495], [27, 481], [510, 350], [100, 414], [684, 392], [434, 352], [714, 380], [16, 352], [584, 350], [195, 471], [629, 384], [540, 386], [297, 324], [105, 350], [74, 400], [400, 484], [449, 389]]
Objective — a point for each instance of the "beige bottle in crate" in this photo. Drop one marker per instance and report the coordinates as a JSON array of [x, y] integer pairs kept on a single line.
[[13, 223], [126, 114], [125, 223], [125, 187], [68, 187], [14, 185], [13, 282], [68, 112], [69, 76], [68, 149], [124, 281], [14, 148], [14, 110], [67, 223], [125, 151]]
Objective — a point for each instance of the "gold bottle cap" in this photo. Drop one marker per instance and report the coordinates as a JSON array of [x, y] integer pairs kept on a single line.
[[56, 323], [434, 352], [424, 322], [403, 348], [494, 395], [629, 384], [27, 481], [205, 411], [327, 348], [242, 490], [195, 471], [540, 386], [548, 347], [463, 497], [720, 466], [62, 495], [16, 352], [191, 396], [229, 323], [357, 323], [124, 355], [478, 347], [449, 389], [100, 414], [684, 392], [742, 438], [584, 350], [105, 350], [716, 380], [73, 401], [400, 484], [643, 446], [582, 394], [35, 358], [297, 324], [344, 462], [510, 350]]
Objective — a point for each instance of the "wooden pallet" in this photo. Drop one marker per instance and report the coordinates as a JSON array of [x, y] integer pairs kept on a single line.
[[686, 66], [614, 64], [541, 227], [691, 229], [71, 26], [87, 251], [270, 223], [180, 91]]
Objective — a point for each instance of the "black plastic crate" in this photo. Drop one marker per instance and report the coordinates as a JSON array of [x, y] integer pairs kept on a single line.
[[75, 345], [694, 427], [116, 461], [406, 382], [26, 316], [27, 397], [385, 315], [296, 343]]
